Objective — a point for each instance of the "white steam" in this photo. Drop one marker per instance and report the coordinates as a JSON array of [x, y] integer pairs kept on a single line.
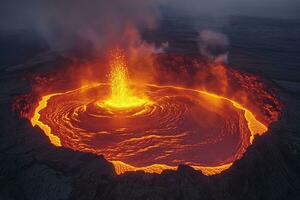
[[213, 45]]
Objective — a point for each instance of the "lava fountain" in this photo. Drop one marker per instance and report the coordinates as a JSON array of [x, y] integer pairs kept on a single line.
[[121, 95], [149, 128]]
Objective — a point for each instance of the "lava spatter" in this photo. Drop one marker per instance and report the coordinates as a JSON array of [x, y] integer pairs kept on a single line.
[[121, 95]]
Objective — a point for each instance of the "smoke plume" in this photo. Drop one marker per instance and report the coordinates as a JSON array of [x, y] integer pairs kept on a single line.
[[213, 46], [100, 24], [67, 23]]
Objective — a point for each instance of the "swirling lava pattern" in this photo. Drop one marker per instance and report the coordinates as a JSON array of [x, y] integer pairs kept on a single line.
[[176, 126]]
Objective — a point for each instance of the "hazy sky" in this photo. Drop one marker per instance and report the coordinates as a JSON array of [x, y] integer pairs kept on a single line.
[[104, 21], [18, 13], [257, 8]]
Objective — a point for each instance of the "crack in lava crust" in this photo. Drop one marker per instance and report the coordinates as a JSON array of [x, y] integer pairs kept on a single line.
[[179, 125]]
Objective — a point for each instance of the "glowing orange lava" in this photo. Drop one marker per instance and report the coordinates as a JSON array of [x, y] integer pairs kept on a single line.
[[129, 127], [254, 126], [121, 95], [35, 120]]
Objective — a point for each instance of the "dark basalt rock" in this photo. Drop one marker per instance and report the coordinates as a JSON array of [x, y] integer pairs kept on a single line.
[[32, 168]]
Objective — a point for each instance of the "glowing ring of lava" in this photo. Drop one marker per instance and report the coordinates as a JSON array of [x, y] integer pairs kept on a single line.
[[177, 125]]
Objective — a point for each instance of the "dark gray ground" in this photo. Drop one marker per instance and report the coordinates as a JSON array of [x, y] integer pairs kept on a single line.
[[31, 168]]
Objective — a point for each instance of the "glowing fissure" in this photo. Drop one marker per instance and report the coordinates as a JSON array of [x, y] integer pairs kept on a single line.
[[35, 120], [122, 167]]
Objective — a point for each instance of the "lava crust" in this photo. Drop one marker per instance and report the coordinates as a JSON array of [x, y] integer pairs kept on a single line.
[[176, 125]]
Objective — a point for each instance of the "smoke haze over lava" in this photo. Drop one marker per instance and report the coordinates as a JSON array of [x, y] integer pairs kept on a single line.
[[99, 24]]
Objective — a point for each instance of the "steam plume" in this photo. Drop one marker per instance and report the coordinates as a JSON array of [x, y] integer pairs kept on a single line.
[[213, 45]]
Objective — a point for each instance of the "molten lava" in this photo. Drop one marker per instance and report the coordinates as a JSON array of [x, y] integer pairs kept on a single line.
[[121, 94], [156, 129]]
